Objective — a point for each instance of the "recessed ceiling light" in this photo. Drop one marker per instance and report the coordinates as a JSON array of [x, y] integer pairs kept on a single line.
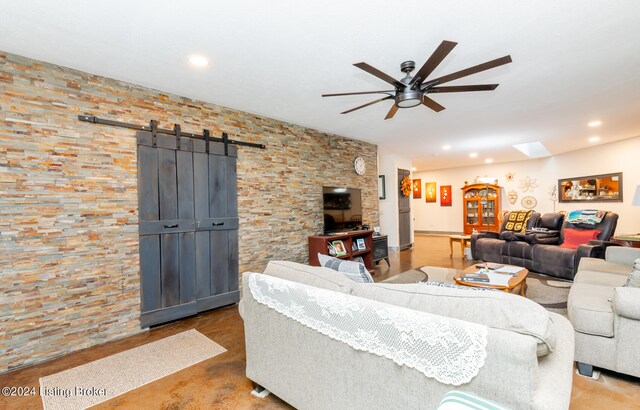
[[595, 123], [473, 155], [446, 147], [488, 160], [198, 61], [595, 138]]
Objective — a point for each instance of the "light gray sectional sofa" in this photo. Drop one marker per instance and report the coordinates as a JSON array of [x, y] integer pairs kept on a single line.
[[605, 315], [529, 352]]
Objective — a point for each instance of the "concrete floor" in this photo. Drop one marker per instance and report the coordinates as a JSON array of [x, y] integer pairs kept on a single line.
[[219, 383]]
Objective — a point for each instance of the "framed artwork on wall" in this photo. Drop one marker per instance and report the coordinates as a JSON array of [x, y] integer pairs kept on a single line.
[[381, 188], [445, 195], [593, 188], [417, 188], [430, 192]]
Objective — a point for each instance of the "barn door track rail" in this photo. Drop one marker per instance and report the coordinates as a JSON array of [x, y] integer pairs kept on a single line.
[[153, 129]]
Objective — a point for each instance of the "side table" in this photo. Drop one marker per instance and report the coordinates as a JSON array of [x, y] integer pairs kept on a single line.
[[463, 239], [631, 240]]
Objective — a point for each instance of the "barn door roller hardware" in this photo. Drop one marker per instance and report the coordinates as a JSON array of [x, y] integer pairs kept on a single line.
[[153, 128]]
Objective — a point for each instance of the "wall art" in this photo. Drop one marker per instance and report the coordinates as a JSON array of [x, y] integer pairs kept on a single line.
[[528, 184], [382, 194], [529, 202], [509, 176], [445, 195], [417, 188], [553, 195], [594, 188], [430, 192], [512, 197]]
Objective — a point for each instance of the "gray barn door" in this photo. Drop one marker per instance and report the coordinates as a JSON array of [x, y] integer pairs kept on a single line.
[[188, 227], [404, 213]]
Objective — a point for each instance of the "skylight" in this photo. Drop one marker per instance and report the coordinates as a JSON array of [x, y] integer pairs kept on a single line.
[[533, 149]]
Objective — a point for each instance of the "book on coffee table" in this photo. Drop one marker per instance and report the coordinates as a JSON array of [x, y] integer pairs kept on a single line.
[[489, 265], [475, 277], [510, 269]]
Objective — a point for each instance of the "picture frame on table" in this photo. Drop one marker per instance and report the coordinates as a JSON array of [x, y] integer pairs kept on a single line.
[[361, 244], [338, 245]]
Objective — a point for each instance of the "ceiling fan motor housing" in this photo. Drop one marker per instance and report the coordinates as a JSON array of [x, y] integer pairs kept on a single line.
[[408, 66]]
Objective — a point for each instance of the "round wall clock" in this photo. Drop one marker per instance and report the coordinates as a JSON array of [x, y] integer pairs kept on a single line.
[[360, 166]]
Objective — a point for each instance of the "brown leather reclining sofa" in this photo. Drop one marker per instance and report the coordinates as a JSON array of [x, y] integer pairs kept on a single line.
[[539, 248]]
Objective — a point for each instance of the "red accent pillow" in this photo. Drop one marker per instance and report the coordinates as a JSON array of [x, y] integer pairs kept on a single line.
[[576, 237]]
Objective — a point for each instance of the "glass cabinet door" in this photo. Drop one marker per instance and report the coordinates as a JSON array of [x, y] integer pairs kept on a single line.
[[489, 212], [472, 212]]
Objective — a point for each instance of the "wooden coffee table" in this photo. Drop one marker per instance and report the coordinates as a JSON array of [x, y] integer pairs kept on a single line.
[[518, 280]]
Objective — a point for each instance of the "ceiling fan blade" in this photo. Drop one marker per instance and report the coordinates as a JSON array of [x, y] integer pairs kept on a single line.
[[359, 93], [432, 104], [392, 112], [461, 88], [366, 105], [374, 71], [436, 58], [473, 70]]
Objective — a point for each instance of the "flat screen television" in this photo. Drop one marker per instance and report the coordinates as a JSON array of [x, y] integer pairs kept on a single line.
[[342, 209]]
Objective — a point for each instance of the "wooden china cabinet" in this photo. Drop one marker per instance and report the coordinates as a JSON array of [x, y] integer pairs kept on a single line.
[[481, 208]]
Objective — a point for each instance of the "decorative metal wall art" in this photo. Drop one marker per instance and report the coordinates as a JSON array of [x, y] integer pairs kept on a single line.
[[528, 184], [529, 202], [509, 176], [553, 195]]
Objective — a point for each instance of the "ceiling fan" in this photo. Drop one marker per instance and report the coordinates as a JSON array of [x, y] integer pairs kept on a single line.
[[412, 91]]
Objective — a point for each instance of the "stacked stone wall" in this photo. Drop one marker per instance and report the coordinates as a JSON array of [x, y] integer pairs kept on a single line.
[[69, 263]]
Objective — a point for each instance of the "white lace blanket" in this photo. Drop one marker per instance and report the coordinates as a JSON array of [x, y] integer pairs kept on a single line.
[[448, 350]]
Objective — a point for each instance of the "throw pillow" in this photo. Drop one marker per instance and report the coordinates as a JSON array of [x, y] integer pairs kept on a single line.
[[576, 237], [517, 221], [356, 271], [317, 276], [633, 281]]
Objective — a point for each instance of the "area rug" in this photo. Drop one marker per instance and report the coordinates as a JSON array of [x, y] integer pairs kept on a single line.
[[549, 292], [101, 380]]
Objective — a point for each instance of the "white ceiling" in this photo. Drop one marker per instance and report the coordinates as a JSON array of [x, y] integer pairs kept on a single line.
[[573, 61]]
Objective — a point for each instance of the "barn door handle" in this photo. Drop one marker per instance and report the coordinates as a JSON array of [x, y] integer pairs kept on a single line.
[[218, 223], [171, 226]]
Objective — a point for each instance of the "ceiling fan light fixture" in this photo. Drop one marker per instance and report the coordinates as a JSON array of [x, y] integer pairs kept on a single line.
[[408, 99]]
